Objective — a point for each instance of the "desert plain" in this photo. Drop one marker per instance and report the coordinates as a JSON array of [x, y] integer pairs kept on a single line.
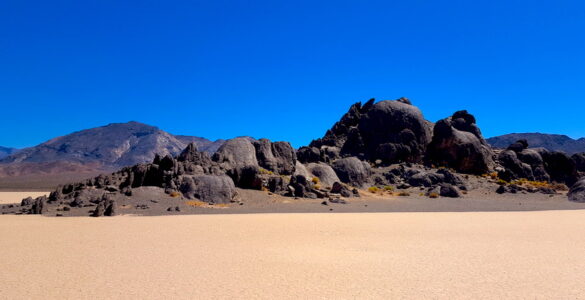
[[439, 255]]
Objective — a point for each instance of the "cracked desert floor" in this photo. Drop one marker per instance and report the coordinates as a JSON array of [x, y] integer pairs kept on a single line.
[[356, 255]]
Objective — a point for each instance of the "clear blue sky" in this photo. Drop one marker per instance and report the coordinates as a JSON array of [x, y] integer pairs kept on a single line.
[[286, 70]]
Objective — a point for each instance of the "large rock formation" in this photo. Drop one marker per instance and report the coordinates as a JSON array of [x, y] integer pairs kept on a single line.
[[388, 131], [457, 143], [537, 164]]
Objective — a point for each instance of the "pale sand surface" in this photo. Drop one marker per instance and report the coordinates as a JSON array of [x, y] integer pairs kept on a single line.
[[16, 197], [495, 255]]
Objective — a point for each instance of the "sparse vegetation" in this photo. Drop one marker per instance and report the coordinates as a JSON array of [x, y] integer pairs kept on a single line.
[[404, 194], [540, 184], [388, 188], [175, 194], [315, 180], [317, 186], [373, 189], [433, 195], [266, 172], [196, 203]]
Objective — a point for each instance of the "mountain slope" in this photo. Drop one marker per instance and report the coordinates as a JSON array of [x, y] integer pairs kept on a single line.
[[5, 151], [104, 148], [553, 142]]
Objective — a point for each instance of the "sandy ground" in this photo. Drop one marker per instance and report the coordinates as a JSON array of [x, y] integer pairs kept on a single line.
[[531, 255], [16, 197]]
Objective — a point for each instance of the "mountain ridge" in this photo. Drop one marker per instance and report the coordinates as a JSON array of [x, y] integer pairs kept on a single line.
[[552, 142]]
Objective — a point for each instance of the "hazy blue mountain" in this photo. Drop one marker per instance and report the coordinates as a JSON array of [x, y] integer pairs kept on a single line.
[[554, 142], [6, 151], [107, 147]]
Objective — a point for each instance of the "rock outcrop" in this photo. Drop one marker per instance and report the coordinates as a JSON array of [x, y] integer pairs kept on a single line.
[[387, 131], [457, 143], [577, 192]]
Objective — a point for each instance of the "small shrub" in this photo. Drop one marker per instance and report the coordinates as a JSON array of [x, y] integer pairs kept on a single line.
[[265, 172], [195, 203], [502, 182], [373, 189], [388, 188], [433, 195], [404, 194], [315, 180], [317, 186], [175, 194]]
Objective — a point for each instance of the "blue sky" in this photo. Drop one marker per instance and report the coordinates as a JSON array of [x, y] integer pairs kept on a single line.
[[286, 70]]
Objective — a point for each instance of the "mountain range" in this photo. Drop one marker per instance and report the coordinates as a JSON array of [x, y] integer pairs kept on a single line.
[[99, 149], [552, 142], [116, 145]]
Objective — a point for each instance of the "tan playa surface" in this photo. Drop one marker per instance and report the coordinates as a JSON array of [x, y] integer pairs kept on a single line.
[[16, 197], [533, 255]]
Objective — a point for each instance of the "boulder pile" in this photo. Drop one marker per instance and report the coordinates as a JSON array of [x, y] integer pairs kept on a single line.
[[383, 143]]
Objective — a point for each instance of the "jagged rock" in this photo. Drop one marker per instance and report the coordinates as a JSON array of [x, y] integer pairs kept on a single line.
[[190, 154], [326, 174], [276, 184], [39, 206], [27, 201], [278, 157], [111, 208], [577, 191], [99, 210], [208, 188], [457, 143], [352, 171]]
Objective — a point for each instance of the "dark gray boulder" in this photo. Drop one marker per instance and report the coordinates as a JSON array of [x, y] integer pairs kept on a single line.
[[325, 173], [394, 131], [457, 143], [208, 188], [450, 191], [352, 171], [236, 152], [560, 167], [577, 191], [308, 155], [278, 157], [341, 189]]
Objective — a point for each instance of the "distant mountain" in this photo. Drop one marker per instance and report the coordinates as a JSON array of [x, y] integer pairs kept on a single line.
[[554, 142], [4, 151], [102, 148]]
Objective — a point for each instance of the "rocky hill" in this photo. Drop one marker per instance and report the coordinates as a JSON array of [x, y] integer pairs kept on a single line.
[[102, 148], [551, 142]]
